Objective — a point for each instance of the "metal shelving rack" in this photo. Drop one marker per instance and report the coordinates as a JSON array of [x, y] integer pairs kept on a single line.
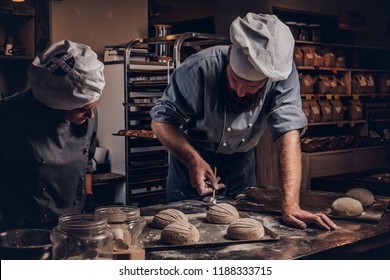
[[146, 161]]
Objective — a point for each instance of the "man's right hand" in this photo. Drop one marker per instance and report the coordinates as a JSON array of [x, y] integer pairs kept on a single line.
[[202, 178]]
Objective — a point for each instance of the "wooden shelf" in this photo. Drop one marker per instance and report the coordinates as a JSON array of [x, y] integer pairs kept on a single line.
[[18, 22], [349, 122], [107, 178], [335, 70], [330, 44], [16, 57], [328, 163], [329, 69]]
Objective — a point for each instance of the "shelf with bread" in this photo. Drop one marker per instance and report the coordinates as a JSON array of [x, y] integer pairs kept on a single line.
[[341, 91], [345, 92]]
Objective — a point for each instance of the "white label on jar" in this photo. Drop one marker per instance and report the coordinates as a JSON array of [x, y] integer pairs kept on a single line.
[[315, 110]]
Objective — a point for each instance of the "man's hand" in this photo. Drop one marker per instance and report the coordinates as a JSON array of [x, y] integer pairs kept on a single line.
[[203, 178], [300, 219]]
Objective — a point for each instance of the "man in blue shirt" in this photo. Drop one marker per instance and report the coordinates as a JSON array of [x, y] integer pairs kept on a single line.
[[217, 106]]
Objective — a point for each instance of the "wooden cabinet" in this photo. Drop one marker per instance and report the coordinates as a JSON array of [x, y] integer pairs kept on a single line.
[[17, 29]]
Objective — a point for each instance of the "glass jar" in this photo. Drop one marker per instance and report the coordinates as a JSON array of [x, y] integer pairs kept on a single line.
[[314, 32], [163, 51], [303, 31], [126, 225], [82, 237]]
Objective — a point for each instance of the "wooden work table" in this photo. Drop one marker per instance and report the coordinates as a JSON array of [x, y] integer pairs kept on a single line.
[[354, 239]]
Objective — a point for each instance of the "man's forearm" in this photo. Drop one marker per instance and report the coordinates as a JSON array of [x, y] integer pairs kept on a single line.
[[172, 138], [290, 170]]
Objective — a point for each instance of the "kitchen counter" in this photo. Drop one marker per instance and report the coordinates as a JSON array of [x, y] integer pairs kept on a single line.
[[355, 239]]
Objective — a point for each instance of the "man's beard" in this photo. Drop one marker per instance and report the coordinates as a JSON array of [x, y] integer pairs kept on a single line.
[[236, 104]]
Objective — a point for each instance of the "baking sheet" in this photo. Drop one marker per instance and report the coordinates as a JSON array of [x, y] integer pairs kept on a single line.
[[210, 235], [267, 199]]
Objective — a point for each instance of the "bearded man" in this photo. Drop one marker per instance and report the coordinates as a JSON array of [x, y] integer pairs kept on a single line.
[[217, 106]]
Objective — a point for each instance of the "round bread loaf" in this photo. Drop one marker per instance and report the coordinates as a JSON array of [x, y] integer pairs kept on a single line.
[[347, 207], [245, 229], [222, 213], [180, 233], [365, 197], [168, 216]]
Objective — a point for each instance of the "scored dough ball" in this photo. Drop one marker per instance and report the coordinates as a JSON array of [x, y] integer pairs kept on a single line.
[[180, 233], [246, 229], [222, 213], [347, 207], [168, 216], [365, 197]]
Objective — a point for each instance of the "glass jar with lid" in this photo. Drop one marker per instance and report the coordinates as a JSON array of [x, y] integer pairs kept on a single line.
[[163, 51], [82, 237], [126, 225], [314, 32], [303, 31]]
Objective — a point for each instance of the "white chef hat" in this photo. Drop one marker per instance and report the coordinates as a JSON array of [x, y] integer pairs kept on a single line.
[[262, 47], [66, 76]]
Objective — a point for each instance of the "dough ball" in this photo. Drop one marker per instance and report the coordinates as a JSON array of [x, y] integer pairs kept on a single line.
[[347, 207], [246, 229], [168, 216], [365, 197], [180, 233], [222, 213]]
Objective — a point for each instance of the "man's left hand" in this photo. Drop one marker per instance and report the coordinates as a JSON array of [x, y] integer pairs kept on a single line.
[[300, 219]]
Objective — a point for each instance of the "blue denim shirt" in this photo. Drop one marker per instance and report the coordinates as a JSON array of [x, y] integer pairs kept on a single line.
[[194, 100]]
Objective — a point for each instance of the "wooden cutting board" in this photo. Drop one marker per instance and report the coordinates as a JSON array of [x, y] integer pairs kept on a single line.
[[268, 199]]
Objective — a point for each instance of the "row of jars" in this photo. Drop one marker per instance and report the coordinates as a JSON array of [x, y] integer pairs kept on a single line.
[[112, 232], [305, 32]]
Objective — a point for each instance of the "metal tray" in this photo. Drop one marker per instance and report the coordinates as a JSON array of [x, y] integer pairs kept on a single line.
[[211, 235]]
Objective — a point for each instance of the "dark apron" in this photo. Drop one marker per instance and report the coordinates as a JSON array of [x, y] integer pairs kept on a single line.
[[237, 172]]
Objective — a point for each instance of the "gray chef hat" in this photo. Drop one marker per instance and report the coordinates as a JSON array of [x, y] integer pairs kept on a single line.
[[66, 76], [262, 47]]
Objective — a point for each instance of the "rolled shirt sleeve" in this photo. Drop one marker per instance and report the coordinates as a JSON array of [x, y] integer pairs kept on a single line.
[[286, 109]]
